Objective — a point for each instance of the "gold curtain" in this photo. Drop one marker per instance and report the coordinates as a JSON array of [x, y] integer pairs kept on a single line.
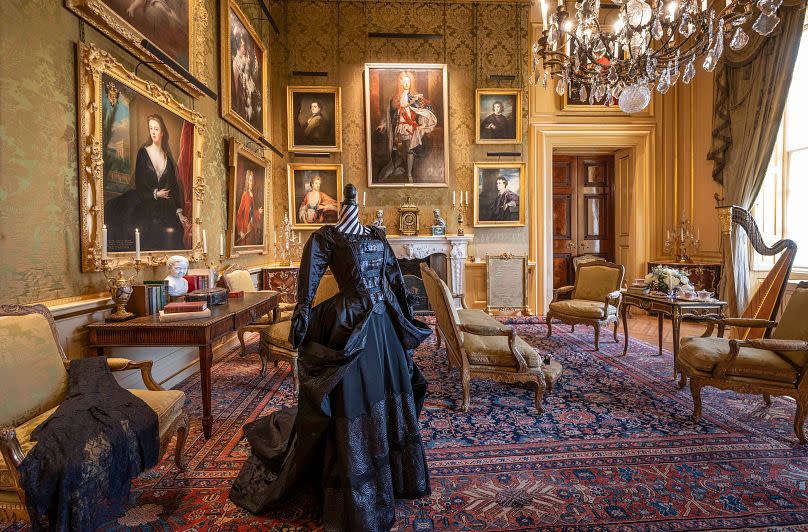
[[751, 89]]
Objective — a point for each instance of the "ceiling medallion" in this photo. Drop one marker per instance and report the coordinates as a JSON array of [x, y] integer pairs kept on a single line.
[[652, 45]]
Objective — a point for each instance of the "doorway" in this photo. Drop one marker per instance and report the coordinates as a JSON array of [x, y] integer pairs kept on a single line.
[[583, 212]]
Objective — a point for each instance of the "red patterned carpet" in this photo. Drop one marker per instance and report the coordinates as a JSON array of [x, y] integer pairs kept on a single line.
[[614, 450]]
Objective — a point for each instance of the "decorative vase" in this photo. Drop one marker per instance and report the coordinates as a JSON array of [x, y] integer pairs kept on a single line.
[[120, 290]]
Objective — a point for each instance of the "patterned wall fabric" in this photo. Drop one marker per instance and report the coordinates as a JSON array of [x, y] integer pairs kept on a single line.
[[39, 196]]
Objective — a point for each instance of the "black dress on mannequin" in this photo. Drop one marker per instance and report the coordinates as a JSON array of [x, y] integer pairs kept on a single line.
[[354, 436]]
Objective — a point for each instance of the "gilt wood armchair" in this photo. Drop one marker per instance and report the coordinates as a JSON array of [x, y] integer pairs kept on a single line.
[[274, 345], [592, 300], [481, 347], [34, 379], [776, 364]]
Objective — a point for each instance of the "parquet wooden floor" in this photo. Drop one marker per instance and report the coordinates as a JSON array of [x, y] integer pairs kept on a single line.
[[644, 327]]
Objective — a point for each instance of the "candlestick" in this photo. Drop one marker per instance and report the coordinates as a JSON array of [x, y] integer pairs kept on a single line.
[[204, 242], [103, 242], [137, 244]]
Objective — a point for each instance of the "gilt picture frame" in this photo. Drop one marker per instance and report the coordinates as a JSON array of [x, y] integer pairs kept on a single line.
[[128, 127], [130, 23], [315, 192], [500, 195], [247, 200], [498, 116], [314, 118], [407, 143], [244, 90]]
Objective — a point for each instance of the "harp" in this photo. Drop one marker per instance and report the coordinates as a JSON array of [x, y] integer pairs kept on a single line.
[[765, 303]]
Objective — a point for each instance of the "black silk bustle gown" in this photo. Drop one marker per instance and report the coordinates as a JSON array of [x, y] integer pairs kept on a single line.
[[354, 436]]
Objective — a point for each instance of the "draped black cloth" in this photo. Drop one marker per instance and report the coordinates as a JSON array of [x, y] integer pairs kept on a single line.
[[78, 474], [354, 437]]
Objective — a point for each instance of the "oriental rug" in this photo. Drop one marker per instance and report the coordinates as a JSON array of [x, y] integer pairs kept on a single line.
[[615, 449]]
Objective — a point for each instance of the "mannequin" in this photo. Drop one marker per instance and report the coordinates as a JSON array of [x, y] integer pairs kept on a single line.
[[348, 221], [353, 439]]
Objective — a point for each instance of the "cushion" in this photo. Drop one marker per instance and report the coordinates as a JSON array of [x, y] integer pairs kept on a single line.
[[473, 316], [595, 282], [239, 281], [277, 334], [32, 374], [794, 326], [703, 353], [166, 404], [581, 308], [494, 351]]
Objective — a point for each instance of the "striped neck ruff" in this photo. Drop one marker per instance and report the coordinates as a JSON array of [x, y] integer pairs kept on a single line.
[[348, 222]]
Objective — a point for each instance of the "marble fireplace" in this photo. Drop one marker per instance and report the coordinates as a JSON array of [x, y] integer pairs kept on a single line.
[[427, 248]]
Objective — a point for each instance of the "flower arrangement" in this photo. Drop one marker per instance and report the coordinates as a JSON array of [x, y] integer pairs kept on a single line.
[[665, 279]]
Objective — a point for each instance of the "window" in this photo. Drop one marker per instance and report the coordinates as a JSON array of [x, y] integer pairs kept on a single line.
[[781, 208]]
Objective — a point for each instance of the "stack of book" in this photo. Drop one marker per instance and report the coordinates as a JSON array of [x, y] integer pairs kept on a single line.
[[185, 310], [148, 298]]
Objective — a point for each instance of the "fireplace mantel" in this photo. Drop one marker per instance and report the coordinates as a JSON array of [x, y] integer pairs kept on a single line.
[[455, 247]]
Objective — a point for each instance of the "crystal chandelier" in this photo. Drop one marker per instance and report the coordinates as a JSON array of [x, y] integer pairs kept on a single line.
[[652, 44]]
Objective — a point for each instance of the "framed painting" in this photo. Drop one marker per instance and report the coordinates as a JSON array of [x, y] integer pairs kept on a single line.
[[176, 27], [315, 191], [406, 120], [314, 115], [140, 161], [244, 73], [246, 201], [498, 116], [499, 194]]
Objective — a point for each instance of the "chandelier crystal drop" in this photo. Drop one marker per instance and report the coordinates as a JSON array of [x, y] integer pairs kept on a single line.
[[644, 47]]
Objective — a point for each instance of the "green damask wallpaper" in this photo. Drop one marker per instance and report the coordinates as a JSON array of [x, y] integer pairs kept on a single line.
[[39, 196]]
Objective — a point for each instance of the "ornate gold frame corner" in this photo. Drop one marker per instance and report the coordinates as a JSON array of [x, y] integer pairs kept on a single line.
[[517, 115], [291, 168], [522, 195], [290, 130], [226, 72], [92, 64], [236, 148], [108, 22]]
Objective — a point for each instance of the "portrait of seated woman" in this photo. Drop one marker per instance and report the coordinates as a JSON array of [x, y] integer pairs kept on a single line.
[[317, 207], [156, 203]]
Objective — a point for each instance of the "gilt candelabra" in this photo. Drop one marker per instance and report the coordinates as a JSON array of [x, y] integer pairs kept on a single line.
[[290, 245], [682, 240]]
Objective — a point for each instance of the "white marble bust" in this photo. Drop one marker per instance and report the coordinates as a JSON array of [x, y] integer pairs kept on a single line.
[[177, 268]]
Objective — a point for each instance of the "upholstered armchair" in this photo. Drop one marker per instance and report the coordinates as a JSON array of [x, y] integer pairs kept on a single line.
[[481, 347], [274, 344], [593, 300], [776, 364], [239, 280], [34, 379]]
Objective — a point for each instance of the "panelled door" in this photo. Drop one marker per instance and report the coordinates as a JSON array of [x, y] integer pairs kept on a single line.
[[583, 211]]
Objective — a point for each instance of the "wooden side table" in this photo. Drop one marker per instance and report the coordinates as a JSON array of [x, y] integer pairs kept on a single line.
[[201, 333], [675, 309]]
